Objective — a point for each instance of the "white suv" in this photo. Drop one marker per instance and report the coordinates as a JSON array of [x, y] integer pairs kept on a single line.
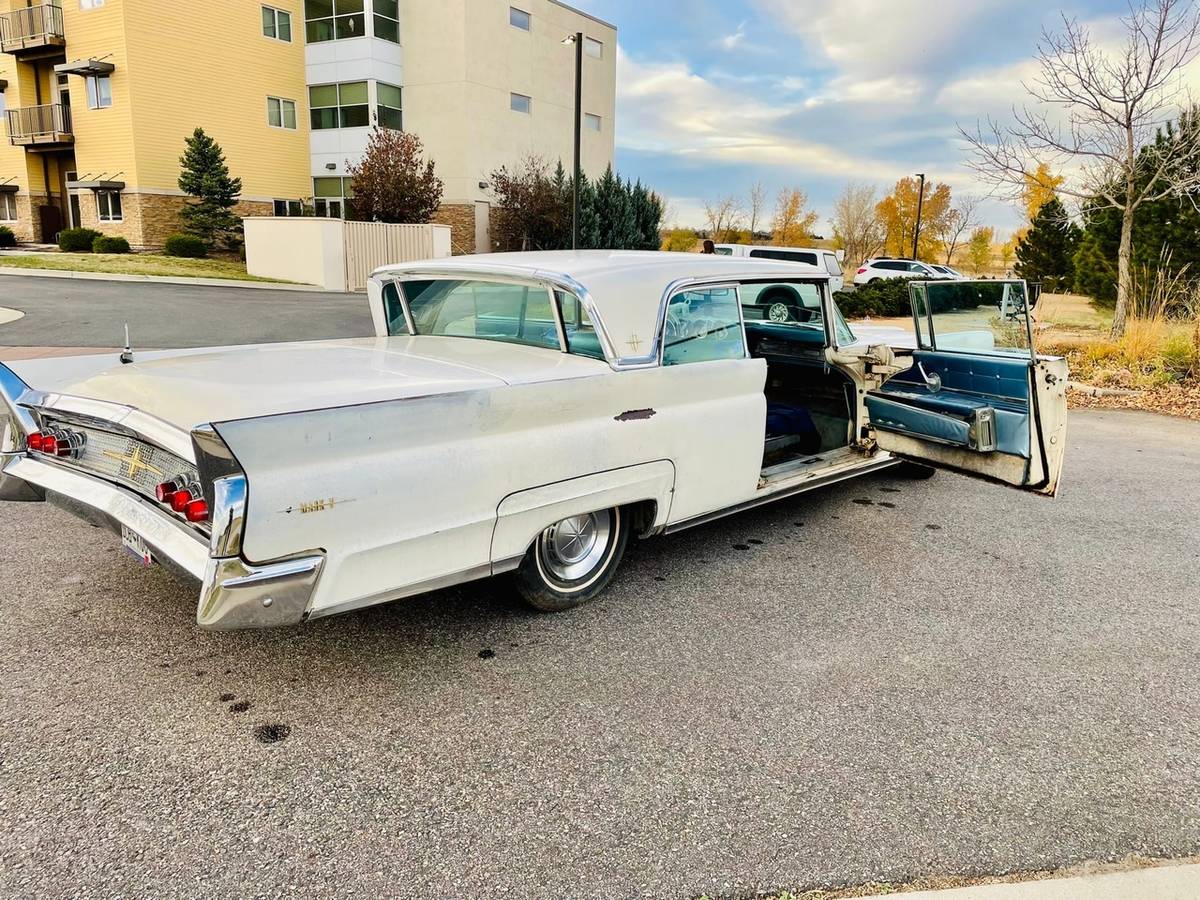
[[813, 256], [875, 269]]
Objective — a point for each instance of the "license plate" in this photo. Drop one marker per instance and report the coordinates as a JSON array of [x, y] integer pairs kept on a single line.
[[132, 541]]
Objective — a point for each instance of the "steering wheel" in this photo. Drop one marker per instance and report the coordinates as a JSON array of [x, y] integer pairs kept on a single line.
[[706, 326]]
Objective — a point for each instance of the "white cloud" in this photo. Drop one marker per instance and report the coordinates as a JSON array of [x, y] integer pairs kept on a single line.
[[876, 38], [668, 108], [733, 41]]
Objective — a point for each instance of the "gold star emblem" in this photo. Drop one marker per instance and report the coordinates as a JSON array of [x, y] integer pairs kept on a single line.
[[634, 342], [133, 463]]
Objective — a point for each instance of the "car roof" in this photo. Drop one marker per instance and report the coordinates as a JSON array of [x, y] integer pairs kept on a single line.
[[626, 288], [774, 247]]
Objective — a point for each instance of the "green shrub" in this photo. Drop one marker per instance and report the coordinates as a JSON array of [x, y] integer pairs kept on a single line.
[[887, 297], [185, 245], [77, 240], [106, 244], [7, 238]]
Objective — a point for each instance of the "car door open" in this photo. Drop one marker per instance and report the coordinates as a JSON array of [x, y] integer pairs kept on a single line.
[[977, 398]]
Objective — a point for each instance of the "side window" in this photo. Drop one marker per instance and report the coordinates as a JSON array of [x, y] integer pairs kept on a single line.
[[918, 268], [581, 333], [831, 264], [787, 255], [393, 312], [703, 325]]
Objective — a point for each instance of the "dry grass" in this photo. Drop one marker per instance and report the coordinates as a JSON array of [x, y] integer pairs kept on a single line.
[[131, 264]]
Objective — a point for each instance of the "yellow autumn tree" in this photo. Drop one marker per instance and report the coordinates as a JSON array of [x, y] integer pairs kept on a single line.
[[979, 249], [793, 222], [1040, 188], [898, 213]]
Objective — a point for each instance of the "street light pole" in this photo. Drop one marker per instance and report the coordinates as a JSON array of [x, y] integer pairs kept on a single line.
[[577, 39], [920, 201]]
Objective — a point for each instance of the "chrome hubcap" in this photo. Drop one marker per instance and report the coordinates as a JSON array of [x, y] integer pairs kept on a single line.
[[574, 547]]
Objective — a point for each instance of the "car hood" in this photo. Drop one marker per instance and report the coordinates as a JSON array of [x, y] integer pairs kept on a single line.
[[191, 387]]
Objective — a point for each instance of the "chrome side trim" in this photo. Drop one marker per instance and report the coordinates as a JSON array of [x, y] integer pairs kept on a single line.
[[238, 595], [93, 499], [114, 417], [228, 515], [808, 485], [12, 389]]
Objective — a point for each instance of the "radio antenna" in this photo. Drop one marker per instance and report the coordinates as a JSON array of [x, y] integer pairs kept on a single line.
[[127, 354]]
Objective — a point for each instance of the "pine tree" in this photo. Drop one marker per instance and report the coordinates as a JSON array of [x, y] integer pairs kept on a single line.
[[1047, 251], [590, 237], [205, 176]]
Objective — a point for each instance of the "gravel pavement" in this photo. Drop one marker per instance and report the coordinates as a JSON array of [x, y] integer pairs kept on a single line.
[[65, 312], [880, 680]]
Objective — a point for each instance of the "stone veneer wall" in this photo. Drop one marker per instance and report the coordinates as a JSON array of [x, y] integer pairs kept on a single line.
[[461, 219], [28, 224], [149, 219]]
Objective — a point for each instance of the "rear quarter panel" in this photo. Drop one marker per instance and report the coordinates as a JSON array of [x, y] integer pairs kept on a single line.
[[400, 493]]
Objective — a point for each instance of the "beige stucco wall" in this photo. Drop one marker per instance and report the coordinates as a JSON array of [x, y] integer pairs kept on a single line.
[[462, 60]]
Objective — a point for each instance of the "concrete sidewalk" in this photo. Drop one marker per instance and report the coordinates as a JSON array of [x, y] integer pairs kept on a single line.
[[1164, 882], [161, 279]]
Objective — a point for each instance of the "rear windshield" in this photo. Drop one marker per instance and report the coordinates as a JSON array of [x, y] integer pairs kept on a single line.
[[515, 313]]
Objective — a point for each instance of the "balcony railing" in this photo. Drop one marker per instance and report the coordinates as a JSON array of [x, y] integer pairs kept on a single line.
[[37, 125], [32, 28]]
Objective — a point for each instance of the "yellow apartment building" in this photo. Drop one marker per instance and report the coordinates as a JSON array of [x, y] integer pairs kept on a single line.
[[98, 96]]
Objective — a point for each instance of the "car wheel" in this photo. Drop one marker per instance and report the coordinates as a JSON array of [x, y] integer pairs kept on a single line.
[[915, 471], [573, 560]]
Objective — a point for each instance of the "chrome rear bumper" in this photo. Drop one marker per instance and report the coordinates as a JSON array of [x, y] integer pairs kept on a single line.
[[234, 594]]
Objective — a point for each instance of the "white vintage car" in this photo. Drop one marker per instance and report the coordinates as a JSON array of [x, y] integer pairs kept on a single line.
[[519, 413]]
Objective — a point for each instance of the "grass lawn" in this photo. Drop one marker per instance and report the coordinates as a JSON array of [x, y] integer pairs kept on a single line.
[[132, 264]]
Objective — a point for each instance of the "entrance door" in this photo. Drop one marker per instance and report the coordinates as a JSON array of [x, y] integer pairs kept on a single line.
[[978, 398]]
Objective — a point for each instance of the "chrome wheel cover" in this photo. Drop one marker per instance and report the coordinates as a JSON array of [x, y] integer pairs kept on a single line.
[[778, 312], [577, 546]]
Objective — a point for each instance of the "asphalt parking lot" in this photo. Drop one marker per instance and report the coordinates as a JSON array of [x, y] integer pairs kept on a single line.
[[881, 680], [65, 312]]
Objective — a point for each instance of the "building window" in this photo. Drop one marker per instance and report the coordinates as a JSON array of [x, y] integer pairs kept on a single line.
[[388, 113], [593, 48], [277, 24], [2, 104], [289, 208], [591, 122], [108, 206], [387, 25], [90, 4], [332, 196], [8, 207], [333, 20], [281, 113], [518, 18], [520, 103], [99, 91], [339, 105]]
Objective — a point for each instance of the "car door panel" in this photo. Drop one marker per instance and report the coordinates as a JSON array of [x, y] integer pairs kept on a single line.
[[999, 413]]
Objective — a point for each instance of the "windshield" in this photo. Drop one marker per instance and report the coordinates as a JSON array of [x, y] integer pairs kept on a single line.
[[516, 313]]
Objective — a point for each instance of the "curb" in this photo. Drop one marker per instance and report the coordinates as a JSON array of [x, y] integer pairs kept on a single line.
[[165, 279], [1160, 882]]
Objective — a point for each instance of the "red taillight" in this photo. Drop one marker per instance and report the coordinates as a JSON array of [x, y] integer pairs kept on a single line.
[[34, 441], [196, 511], [860, 271], [180, 500], [49, 444], [165, 491]]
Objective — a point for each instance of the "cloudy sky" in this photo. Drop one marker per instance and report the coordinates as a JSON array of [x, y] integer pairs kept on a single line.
[[713, 95]]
